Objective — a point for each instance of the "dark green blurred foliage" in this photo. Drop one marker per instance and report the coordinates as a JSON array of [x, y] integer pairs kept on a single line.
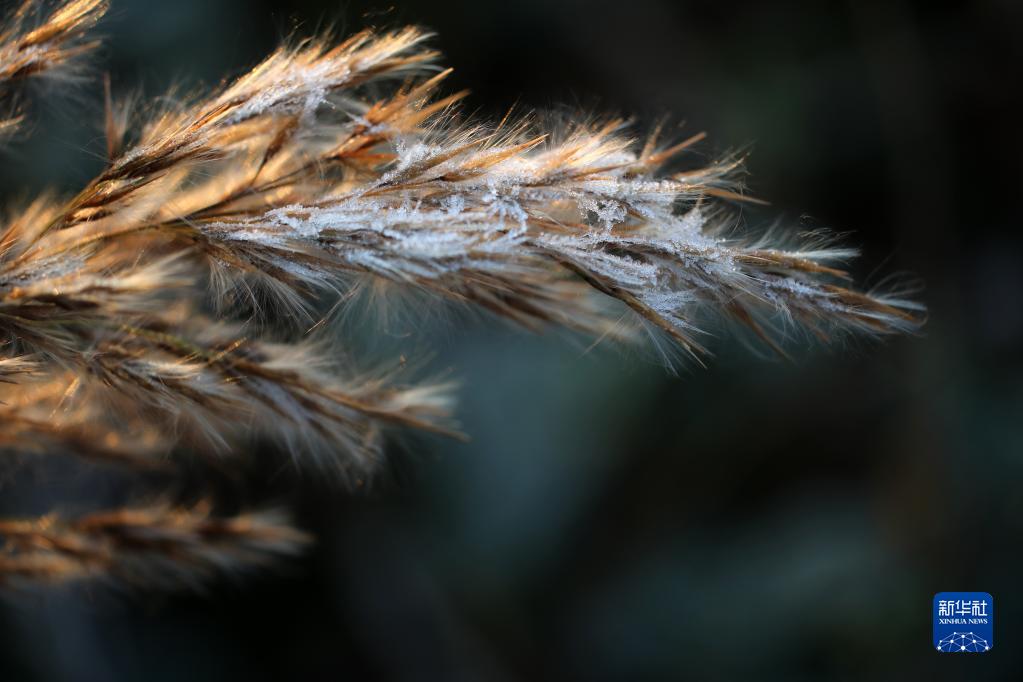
[[753, 520]]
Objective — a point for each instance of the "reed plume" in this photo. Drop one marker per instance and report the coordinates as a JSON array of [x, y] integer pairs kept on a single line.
[[137, 315]]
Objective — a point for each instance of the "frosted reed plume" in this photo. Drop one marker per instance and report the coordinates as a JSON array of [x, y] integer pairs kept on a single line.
[[135, 316]]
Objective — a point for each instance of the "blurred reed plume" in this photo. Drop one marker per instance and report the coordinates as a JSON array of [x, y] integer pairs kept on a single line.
[[174, 304]]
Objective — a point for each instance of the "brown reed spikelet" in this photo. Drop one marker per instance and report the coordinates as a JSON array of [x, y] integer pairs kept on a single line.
[[151, 546], [290, 186], [34, 45]]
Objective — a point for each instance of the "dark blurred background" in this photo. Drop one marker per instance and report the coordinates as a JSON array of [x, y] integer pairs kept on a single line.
[[608, 521]]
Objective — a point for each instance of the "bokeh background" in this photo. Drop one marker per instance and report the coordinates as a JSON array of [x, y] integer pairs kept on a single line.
[[609, 521]]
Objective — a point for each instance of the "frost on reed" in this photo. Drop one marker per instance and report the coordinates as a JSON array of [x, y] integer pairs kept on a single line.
[[135, 314]]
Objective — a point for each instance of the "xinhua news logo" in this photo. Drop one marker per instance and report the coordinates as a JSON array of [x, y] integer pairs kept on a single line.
[[964, 622]]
